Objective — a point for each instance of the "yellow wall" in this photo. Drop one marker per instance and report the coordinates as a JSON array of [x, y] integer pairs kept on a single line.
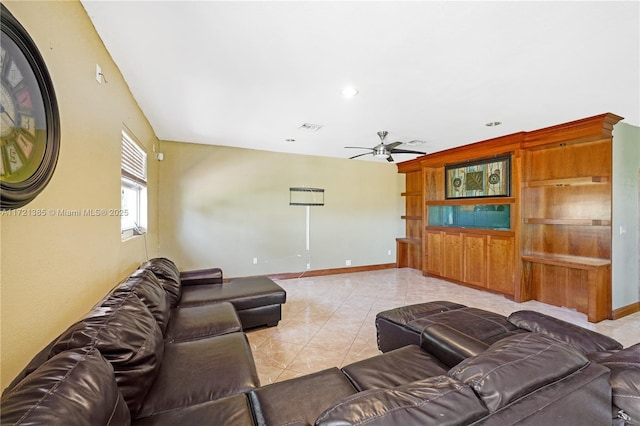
[[224, 206], [53, 269]]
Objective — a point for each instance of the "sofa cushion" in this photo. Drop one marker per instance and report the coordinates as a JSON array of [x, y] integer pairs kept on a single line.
[[39, 359], [517, 365], [232, 410], [625, 380], [198, 322], [75, 387], [299, 400], [405, 314], [167, 273], [201, 370], [439, 400], [586, 341], [244, 293], [148, 289], [485, 326], [127, 335], [394, 368]]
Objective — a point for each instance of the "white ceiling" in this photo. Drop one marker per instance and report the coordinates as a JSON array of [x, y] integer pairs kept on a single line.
[[249, 74]]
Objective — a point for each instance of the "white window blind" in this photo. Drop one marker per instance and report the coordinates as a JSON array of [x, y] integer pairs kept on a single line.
[[134, 161]]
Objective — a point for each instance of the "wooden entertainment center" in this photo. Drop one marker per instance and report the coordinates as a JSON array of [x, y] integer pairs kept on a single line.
[[548, 238]]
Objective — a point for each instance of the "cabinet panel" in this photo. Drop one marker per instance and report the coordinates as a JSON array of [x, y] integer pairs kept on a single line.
[[500, 262], [452, 256], [475, 263], [434, 254]]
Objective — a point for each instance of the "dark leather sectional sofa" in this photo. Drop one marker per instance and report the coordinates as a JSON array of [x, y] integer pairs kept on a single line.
[[136, 359], [455, 334]]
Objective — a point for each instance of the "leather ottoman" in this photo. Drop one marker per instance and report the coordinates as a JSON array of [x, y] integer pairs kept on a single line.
[[257, 300]]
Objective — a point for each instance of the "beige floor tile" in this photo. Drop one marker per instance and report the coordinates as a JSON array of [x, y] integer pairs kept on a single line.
[[276, 353], [332, 340], [267, 373], [342, 325]]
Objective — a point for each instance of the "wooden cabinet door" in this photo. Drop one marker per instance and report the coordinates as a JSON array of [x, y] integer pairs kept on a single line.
[[500, 267], [452, 256], [434, 255], [474, 260]]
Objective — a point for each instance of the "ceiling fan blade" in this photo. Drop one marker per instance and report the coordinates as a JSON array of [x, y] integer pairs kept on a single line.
[[358, 147], [360, 155], [392, 145], [406, 151]]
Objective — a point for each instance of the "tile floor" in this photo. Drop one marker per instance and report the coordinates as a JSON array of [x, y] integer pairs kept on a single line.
[[329, 321]]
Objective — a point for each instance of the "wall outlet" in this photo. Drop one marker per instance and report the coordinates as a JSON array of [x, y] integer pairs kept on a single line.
[[389, 252], [348, 262], [255, 260], [98, 74], [308, 266]]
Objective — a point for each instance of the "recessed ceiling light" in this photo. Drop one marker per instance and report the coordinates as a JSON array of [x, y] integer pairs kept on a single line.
[[493, 123], [349, 92]]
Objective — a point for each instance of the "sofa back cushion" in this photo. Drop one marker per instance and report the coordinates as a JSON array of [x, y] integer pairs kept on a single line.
[[517, 365], [75, 387], [586, 341], [167, 273], [438, 400], [127, 335], [146, 286]]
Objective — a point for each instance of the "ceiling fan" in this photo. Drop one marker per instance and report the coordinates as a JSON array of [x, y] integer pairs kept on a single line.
[[383, 150]]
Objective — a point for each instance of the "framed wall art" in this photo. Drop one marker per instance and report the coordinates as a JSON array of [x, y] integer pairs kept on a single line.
[[483, 178]]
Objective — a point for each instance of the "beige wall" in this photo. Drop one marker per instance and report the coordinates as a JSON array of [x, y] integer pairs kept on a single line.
[[224, 206], [53, 269]]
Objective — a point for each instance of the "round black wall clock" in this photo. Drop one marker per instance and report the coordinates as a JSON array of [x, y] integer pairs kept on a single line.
[[29, 120]]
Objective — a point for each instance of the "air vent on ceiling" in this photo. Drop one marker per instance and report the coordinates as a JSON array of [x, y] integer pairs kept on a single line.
[[310, 127]]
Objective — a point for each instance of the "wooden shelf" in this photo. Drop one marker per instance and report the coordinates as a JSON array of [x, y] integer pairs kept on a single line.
[[590, 295], [467, 201], [474, 231], [411, 194], [572, 222], [411, 217], [575, 262], [576, 181]]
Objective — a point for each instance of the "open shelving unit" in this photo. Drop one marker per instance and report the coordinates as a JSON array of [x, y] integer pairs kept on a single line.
[[409, 248], [566, 220]]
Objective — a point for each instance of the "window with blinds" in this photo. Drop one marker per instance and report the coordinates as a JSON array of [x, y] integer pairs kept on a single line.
[[133, 187], [134, 161]]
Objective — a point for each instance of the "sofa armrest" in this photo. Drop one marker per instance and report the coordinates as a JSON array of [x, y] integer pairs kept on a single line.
[[449, 345], [625, 381], [435, 400], [201, 277], [586, 341]]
